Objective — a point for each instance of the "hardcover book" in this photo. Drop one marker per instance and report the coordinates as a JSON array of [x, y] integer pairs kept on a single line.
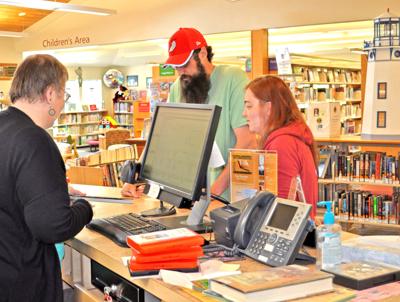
[[163, 241], [145, 269], [361, 275], [189, 253], [273, 284]]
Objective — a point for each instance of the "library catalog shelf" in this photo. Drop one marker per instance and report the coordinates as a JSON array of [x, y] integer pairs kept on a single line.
[[84, 112], [76, 124], [358, 183], [355, 141], [347, 118], [328, 83]]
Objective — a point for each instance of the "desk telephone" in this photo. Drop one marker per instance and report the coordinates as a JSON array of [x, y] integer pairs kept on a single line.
[[268, 229]]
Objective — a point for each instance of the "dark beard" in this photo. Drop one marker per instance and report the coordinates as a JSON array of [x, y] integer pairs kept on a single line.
[[195, 88]]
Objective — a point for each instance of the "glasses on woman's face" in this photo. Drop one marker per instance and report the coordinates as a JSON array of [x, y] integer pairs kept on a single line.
[[66, 96]]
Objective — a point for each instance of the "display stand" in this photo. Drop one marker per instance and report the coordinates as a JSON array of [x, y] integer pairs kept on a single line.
[[195, 220]]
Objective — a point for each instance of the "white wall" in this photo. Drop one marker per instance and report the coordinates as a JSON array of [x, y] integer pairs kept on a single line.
[[142, 71], [142, 20], [96, 73]]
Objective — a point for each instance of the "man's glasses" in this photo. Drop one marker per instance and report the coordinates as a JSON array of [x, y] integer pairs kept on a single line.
[[66, 96]]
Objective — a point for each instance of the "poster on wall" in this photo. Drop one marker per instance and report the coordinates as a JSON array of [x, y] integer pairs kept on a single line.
[[149, 80], [92, 93], [72, 88], [132, 80], [283, 60]]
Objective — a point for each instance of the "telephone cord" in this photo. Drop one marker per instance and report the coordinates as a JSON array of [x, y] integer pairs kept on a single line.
[[229, 252]]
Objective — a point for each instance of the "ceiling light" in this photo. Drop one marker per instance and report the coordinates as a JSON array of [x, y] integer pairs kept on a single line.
[[58, 6], [12, 34], [22, 14]]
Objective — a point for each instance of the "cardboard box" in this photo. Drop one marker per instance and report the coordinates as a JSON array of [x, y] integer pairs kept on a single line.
[[323, 119]]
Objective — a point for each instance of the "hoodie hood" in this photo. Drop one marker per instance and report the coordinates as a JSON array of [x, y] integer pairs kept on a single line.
[[299, 130]]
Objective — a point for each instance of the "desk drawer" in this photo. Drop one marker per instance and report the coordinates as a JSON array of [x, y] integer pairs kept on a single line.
[[82, 294], [125, 290]]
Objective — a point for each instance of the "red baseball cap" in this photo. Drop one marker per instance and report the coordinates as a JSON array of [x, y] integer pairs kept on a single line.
[[182, 44]]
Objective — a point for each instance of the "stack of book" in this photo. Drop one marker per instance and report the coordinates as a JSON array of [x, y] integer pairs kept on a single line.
[[274, 284], [177, 249]]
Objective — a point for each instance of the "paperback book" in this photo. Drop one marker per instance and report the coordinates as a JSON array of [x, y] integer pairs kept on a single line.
[[273, 284]]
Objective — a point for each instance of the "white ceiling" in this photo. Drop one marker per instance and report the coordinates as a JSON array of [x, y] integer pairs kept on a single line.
[[327, 44]]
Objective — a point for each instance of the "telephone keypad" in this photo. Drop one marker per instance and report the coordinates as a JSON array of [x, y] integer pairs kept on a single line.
[[270, 246]]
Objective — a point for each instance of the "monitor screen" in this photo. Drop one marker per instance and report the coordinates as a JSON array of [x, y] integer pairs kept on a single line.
[[282, 216], [178, 149]]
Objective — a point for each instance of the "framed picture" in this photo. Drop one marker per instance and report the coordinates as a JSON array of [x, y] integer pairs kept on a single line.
[[382, 87], [85, 107], [381, 119], [132, 80], [149, 80]]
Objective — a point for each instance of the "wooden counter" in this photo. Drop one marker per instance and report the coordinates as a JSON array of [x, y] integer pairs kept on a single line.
[[102, 250]]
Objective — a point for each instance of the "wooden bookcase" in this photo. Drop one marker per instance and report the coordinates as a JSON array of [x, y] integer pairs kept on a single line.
[[123, 114], [387, 188], [82, 125], [326, 84]]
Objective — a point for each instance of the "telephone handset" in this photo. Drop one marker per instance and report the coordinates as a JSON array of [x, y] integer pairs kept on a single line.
[[250, 217]]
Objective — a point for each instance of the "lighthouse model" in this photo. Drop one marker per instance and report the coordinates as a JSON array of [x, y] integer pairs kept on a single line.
[[381, 116]]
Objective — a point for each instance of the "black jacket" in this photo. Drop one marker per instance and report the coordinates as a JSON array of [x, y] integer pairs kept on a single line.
[[35, 211]]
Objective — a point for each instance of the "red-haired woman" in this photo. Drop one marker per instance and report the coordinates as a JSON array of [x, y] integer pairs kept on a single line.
[[272, 113]]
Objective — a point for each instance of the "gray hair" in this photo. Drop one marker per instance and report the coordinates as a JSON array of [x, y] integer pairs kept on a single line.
[[34, 75]]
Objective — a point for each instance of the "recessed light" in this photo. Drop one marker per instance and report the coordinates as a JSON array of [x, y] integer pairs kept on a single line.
[[22, 14]]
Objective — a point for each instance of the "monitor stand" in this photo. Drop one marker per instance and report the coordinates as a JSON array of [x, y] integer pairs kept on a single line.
[[194, 221], [161, 211]]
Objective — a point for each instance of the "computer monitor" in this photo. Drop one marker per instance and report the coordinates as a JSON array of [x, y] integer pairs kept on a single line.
[[177, 152]]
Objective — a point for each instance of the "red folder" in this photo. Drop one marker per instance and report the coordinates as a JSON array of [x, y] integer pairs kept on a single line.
[[164, 241], [181, 264], [190, 253]]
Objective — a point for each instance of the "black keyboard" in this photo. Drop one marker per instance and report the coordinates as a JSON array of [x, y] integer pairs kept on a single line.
[[117, 228]]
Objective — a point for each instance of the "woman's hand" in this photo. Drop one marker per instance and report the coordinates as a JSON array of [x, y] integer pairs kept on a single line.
[[75, 192], [132, 190]]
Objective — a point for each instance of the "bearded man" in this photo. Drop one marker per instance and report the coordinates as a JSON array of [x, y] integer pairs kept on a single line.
[[200, 81]]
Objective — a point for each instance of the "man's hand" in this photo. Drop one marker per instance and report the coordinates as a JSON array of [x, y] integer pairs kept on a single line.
[[132, 190]]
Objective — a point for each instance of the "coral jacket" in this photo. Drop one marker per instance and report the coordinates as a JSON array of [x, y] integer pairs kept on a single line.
[[293, 143]]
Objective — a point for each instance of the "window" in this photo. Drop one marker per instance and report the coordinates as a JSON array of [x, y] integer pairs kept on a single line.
[[381, 119], [382, 87]]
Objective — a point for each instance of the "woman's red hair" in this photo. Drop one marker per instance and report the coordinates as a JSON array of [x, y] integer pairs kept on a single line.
[[284, 109]]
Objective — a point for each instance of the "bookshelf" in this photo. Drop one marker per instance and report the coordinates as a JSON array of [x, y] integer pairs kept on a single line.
[[363, 181], [311, 84], [82, 125], [345, 181], [102, 168], [123, 114], [141, 111]]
